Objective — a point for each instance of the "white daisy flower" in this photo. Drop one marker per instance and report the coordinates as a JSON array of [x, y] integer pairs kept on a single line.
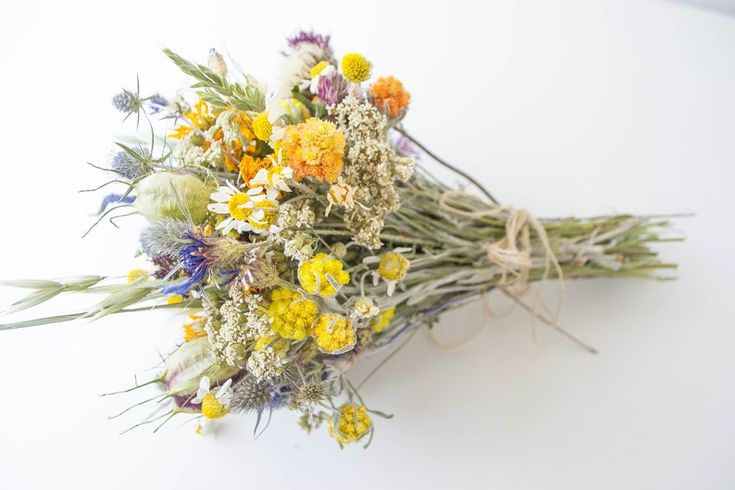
[[273, 179], [364, 308], [238, 205], [214, 404]]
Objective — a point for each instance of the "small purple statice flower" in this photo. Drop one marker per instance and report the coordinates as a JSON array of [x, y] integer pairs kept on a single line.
[[311, 37]]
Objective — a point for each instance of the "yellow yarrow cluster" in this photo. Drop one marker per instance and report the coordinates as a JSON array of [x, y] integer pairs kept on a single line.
[[313, 274], [262, 127], [334, 333], [292, 314], [355, 67], [353, 423]]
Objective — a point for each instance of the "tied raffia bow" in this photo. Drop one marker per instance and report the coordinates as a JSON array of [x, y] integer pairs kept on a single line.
[[513, 254]]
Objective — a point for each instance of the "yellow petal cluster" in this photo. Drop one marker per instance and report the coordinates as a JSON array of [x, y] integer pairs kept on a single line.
[[379, 323], [393, 266], [292, 314], [334, 333], [353, 423], [314, 148], [313, 274]]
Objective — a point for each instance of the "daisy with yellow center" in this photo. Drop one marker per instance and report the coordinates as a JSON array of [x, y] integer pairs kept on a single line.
[[334, 333], [351, 425], [321, 69], [355, 67], [314, 148], [214, 404], [322, 275], [238, 206], [274, 178], [392, 268]]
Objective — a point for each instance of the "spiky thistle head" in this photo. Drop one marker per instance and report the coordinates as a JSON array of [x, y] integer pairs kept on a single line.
[[250, 395]]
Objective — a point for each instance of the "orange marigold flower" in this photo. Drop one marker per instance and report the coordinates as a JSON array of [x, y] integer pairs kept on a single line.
[[388, 94], [249, 166], [314, 148]]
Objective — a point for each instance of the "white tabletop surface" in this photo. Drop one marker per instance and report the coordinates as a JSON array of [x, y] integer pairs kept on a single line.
[[564, 108]]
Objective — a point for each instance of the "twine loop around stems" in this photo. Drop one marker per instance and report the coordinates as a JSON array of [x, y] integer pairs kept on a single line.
[[513, 254]]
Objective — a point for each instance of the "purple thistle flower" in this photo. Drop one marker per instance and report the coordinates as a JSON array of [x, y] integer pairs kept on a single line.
[[332, 88], [311, 37]]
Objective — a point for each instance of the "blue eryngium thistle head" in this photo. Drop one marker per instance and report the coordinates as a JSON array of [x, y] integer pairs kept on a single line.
[[125, 102], [127, 165]]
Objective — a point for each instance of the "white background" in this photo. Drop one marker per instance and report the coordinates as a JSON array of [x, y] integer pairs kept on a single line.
[[565, 108]]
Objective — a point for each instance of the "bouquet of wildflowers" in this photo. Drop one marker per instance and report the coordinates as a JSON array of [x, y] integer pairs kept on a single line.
[[294, 227]]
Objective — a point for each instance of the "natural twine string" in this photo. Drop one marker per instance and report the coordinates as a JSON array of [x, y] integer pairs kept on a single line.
[[512, 254]]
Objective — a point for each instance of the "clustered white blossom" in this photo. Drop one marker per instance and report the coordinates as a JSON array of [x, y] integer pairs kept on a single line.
[[372, 169], [293, 217]]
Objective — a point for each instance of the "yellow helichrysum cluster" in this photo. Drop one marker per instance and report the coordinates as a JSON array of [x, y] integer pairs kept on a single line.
[[355, 67], [292, 314], [313, 274], [314, 148], [334, 333], [353, 423]]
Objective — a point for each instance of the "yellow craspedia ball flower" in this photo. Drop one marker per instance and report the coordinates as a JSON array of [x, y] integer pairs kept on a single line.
[[137, 275], [212, 408], [292, 314], [262, 127], [334, 333], [393, 266], [379, 323], [313, 274], [353, 423], [355, 67]]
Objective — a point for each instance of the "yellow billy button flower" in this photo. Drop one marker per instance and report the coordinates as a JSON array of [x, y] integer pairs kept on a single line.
[[355, 67], [292, 314], [322, 275], [334, 333], [351, 425], [262, 127], [214, 405]]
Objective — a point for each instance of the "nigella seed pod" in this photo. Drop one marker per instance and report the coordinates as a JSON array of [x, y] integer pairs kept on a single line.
[[186, 366]]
